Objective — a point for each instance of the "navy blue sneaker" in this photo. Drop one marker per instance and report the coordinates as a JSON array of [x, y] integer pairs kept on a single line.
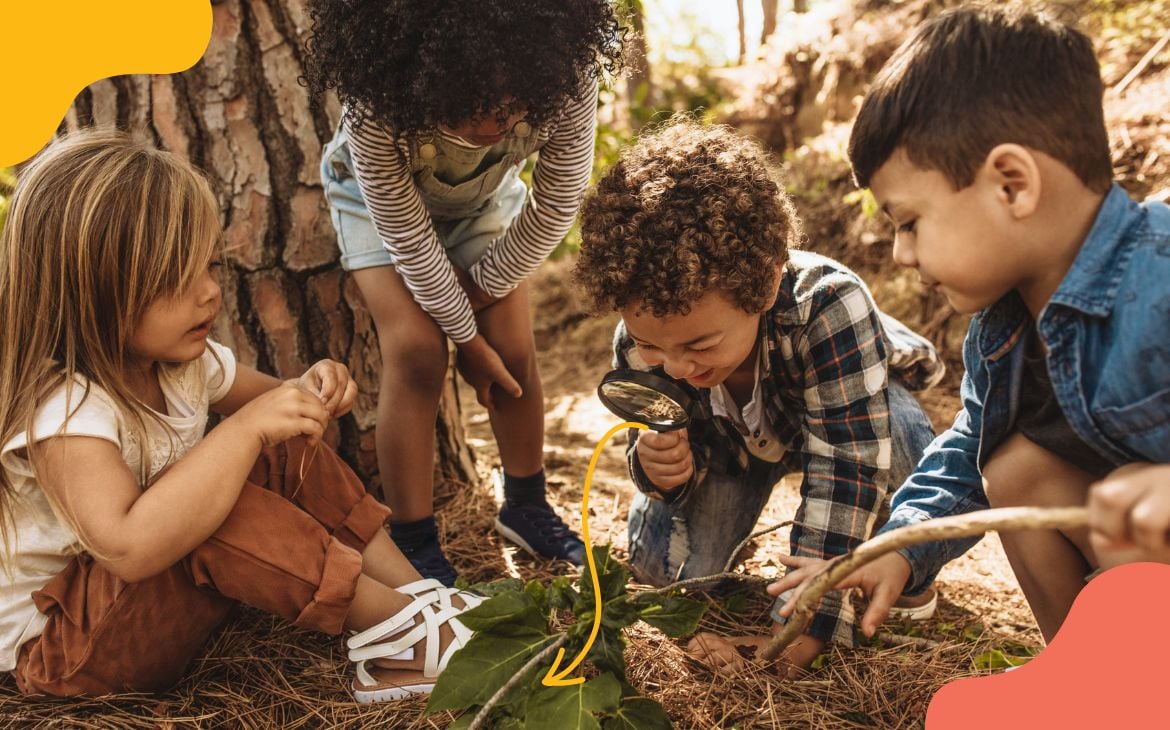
[[428, 559], [536, 528]]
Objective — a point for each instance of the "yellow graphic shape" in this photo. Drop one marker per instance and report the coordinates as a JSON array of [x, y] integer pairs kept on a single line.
[[555, 678], [50, 51]]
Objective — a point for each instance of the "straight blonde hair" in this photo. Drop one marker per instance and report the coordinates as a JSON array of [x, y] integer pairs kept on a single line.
[[100, 225]]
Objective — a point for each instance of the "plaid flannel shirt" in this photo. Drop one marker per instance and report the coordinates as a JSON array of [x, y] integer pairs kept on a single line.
[[829, 352]]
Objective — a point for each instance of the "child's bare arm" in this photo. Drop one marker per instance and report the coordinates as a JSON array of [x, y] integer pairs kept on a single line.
[[328, 379], [137, 533], [249, 384]]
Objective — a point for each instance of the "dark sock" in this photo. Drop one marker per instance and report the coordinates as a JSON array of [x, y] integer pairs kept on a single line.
[[409, 535], [524, 490]]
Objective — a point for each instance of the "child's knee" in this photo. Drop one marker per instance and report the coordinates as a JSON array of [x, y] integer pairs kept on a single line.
[[418, 360], [1021, 473]]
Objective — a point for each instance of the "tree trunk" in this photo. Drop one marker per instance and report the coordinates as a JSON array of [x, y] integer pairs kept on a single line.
[[742, 28], [771, 8], [241, 117], [639, 85]]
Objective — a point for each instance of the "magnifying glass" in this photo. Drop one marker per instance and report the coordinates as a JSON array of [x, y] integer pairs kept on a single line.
[[647, 398]]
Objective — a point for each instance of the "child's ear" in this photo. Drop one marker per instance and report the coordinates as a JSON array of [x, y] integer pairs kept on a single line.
[[1011, 170]]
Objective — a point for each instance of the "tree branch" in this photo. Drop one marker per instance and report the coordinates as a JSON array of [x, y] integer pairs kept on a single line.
[[942, 528], [542, 655]]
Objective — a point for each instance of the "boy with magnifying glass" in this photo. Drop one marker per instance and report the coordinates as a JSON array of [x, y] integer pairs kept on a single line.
[[788, 363]]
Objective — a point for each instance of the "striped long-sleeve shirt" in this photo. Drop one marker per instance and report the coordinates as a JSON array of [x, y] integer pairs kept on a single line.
[[382, 166]]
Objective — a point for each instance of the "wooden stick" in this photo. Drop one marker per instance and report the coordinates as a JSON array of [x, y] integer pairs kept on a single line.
[[1142, 64], [942, 528]]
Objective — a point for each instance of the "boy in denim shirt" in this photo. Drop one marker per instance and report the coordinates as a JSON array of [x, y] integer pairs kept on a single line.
[[983, 139], [794, 368]]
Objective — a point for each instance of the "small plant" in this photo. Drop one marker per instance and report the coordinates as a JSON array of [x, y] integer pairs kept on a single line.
[[513, 627]]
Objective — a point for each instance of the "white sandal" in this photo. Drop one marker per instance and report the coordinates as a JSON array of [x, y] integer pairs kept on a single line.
[[396, 637]]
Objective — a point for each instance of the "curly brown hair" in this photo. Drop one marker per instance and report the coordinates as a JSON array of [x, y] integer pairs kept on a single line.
[[411, 65], [689, 209]]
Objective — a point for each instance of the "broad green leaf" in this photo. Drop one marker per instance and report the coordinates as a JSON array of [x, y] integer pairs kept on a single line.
[[539, 595], [572, 707], [561, 594], [608, 652], [639, 713], [612, 576], [619, 613], [464, 720], [491, 588], [477, 670], [513, 608], [674, 616]]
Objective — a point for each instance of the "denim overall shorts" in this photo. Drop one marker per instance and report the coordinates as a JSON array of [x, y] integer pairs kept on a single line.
[[472, 194]]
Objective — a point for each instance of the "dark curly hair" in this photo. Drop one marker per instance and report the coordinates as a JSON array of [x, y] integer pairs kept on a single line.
[[689, 209], [411, 65]]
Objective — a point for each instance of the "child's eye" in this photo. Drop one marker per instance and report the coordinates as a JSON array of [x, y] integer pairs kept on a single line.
[[645, 346], [908, 226], [708, 348]]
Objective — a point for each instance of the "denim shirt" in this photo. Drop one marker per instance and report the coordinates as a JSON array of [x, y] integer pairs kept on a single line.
[[1107, 329]]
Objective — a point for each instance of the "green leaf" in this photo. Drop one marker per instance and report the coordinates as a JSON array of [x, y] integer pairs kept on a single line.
[[820, 662], [996, 659], [639, 713], [674, 616], [491, 588], [572, 707], [612, 576], [477, 670], [608, 652], [511, 608], [619, 613], [973, 632], [539, 595], [561, 594]]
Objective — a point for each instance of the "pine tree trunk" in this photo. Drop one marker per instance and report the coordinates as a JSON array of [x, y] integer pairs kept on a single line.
[[241, 116], [741, 28], [771, 8]]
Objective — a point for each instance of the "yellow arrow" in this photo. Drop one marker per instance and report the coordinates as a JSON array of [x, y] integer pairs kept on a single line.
[[555, 678]]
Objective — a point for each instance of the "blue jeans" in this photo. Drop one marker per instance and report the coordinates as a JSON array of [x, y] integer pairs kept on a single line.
[[668, 544]]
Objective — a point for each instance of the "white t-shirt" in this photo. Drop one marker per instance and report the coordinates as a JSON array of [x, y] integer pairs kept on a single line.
[[43, 544]]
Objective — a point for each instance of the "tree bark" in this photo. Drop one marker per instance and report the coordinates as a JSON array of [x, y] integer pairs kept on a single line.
[[241, 116], [771, 8], [639, 84], [741, 26]]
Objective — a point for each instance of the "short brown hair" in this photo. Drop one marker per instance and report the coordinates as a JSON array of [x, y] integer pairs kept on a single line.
[[689, 209], [973, 78]]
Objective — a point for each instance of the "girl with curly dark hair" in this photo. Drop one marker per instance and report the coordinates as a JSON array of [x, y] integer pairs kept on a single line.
[[442, 103]]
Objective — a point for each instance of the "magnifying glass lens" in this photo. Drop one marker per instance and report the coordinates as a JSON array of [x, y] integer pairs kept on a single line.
[[645, 398]]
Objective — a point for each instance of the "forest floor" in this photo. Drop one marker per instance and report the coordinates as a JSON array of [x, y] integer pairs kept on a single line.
[[263, 673]]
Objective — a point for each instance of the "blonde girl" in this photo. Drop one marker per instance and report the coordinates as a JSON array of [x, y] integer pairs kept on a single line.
[[128, 535]]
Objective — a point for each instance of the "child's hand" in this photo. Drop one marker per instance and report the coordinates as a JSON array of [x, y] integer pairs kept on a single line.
[[282, 413], [481, 366], [1129, 515], [331, 382], [882, 582], [666, 458]]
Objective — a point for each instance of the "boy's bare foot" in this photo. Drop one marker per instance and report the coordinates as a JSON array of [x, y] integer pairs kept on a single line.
[[735, 652]]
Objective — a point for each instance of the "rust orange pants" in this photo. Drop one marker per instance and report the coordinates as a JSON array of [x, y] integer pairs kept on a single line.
[[291, 546]]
